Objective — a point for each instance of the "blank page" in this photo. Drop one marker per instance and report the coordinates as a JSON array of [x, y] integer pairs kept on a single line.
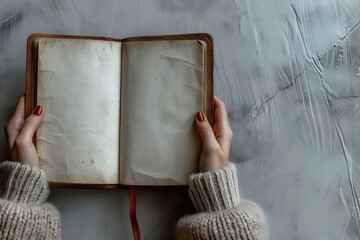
[[79, 88], [162, 89]]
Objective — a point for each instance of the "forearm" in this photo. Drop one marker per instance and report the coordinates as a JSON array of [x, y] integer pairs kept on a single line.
[[215, 190], [221, 213], [23, 214], [22, 183]]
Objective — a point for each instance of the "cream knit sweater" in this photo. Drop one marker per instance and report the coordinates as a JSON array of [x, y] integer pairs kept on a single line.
[[221, 215], [23, 213]]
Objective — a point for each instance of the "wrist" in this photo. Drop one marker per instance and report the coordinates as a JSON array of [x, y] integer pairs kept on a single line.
[[214, 190], [22, 183]]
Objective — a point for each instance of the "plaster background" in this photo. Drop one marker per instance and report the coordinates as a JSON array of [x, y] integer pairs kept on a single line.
[[289, 73]]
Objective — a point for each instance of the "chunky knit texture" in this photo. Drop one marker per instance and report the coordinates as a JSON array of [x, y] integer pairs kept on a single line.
[[214, 191], [221, 214], [23, 214]]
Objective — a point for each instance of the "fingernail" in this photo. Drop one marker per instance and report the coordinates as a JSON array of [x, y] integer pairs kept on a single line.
[[38, 110], [200, 116]]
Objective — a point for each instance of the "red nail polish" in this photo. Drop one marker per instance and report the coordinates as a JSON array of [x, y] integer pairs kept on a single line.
[[200, 116], [38, 110]]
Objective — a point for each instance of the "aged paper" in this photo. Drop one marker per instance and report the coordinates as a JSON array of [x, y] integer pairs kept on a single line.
[[162, 89], [79, 88]]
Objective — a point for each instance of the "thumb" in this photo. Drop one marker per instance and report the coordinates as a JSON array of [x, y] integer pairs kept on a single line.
[[205, 131], [31, 125]]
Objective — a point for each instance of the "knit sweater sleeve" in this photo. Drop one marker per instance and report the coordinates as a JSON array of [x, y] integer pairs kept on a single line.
[[220, 212], [23, 213]]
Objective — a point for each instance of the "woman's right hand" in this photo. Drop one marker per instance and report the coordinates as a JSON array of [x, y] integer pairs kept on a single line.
[[216, 140]]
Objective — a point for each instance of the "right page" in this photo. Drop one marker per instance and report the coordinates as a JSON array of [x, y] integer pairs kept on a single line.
[[163, 86]]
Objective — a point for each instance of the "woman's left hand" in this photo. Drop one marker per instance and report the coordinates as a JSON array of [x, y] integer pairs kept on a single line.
[[19, 134]]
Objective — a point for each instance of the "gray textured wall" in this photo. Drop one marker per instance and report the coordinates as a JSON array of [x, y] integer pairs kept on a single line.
[[289, 72]]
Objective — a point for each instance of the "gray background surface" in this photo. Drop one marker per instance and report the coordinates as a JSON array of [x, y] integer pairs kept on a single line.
[[289, 73]]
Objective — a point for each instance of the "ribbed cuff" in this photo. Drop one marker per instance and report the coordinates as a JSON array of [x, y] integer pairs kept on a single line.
[[22, 183], [214, 191]]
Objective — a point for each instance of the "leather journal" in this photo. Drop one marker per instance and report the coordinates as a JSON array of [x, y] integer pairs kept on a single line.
[[119, 111]]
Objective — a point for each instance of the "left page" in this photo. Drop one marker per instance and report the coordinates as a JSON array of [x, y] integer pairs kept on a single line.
[[78, 85]]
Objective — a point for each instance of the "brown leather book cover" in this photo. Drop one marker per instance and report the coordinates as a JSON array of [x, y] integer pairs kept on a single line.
[[31, 77]]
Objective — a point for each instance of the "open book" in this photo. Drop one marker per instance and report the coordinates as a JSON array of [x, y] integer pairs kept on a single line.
[[119, 111]]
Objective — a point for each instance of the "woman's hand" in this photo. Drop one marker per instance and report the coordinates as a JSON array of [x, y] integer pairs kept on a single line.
[[19, 134], [217, 140]]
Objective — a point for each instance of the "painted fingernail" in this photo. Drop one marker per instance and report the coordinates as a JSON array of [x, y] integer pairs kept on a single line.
[[38, 110], [200, 116]]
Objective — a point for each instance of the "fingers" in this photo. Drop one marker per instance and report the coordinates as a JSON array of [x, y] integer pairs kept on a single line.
[[220, 113], [15, 123], [222, 130], [216, 140], [206, 132], [20, 108], [30, 126]]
